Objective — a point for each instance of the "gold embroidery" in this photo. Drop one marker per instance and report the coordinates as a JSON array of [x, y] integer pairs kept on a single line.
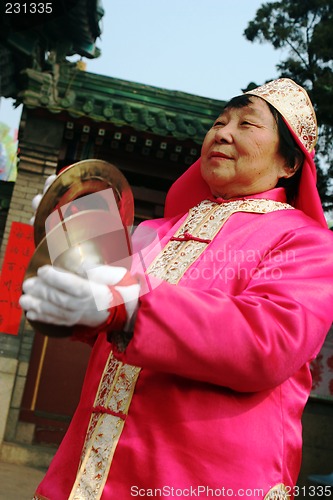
[[293, 102], [204, 221], [114, 395], [278, 492]]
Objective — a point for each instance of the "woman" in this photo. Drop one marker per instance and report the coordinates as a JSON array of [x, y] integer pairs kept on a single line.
[[203, 394]]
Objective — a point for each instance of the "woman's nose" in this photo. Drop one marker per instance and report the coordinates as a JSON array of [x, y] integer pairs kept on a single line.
[[224, 134]]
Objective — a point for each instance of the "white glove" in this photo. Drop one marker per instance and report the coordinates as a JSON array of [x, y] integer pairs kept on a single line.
[[36, 200], [62, 298], [111, 275]]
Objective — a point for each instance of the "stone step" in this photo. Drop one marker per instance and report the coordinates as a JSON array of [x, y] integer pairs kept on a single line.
[[29, 455]]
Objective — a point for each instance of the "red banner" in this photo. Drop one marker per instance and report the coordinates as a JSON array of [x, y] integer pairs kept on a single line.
[[19, 250]]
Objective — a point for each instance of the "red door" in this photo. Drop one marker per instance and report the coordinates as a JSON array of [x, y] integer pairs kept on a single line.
[[54, 380]]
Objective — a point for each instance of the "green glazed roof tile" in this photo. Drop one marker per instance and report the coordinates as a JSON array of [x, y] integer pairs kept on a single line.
[[123, 103]]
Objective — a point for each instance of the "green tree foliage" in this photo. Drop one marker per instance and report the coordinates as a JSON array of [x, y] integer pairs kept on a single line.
[[305, 29]]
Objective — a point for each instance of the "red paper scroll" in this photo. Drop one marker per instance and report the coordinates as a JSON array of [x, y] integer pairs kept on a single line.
[[19, 250]]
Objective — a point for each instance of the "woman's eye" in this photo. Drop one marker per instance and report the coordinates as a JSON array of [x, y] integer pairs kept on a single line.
[[219, 124]]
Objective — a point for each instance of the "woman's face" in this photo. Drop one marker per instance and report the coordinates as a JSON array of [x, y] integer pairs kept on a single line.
[[240, 153]]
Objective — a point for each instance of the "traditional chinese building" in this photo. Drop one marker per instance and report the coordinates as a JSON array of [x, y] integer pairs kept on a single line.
[[152, 135]]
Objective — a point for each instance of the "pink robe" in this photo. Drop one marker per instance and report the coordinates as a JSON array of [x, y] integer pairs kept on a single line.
[[225, 375]]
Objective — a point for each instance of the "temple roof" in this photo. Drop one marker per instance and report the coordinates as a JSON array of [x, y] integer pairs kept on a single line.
[[120, 102], [34, 71], [59, 28]]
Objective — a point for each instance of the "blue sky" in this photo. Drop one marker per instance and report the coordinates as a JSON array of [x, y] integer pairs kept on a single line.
[[195, 46]]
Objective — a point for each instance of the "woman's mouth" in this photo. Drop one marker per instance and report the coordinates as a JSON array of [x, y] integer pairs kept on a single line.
[[219, 154]]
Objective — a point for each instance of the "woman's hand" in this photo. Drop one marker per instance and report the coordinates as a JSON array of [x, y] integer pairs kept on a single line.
[[63, 298]]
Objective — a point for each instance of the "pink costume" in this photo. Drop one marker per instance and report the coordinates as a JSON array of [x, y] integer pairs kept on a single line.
[[224, 351], [240, 302]]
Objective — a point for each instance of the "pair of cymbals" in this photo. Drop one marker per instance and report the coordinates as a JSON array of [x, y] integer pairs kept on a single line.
[[83, 220]]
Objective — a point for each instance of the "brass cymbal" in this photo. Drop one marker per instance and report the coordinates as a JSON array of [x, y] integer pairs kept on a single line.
[[80, 179], [84, 240]]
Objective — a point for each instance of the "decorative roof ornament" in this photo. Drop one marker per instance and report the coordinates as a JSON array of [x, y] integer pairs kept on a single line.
[[294, 104]]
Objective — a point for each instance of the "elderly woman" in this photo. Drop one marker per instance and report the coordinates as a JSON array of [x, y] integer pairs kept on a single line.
[[197, 386]]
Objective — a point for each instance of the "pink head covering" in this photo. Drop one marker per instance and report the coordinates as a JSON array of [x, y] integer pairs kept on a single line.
[[295, 106]]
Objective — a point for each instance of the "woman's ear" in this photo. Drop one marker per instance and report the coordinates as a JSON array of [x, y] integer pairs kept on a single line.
[[299, 158], [291, 170]]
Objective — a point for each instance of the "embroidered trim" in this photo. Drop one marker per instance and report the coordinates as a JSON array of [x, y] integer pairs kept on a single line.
[[278, 492], [113, 399], [294, 105], [203, 222], [39, 497]]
